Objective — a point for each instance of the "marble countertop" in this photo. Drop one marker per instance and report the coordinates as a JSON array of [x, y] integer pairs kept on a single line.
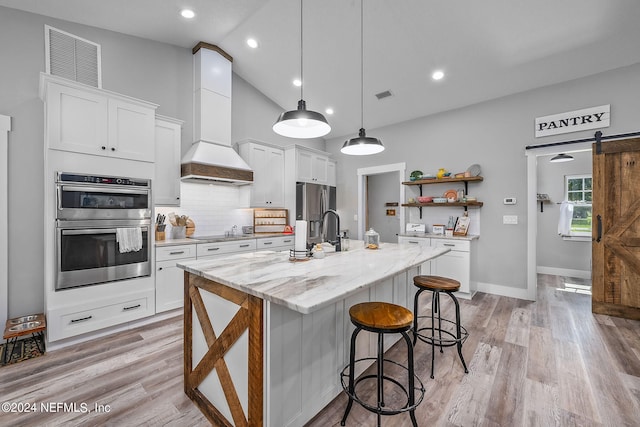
[[440, 236], [306, 286], [214, 239]]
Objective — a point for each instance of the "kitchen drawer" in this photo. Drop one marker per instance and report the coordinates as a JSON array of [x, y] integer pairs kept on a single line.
[[167, 253], [218, 248], [454, 245], [424, 241], [71, 321], [274, 243]]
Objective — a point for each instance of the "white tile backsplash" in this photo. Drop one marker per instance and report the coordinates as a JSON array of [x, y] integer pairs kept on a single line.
[[214, 208]]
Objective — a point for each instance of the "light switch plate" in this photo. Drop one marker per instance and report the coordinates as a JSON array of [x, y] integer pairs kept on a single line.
[[510, 219]]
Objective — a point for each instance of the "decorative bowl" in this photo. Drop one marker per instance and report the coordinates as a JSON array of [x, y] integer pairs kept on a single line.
[[425, 199]]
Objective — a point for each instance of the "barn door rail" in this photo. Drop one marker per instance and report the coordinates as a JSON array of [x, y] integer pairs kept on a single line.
[[598, 138]]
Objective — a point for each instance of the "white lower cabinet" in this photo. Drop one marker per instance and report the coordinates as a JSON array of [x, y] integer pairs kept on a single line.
[[455, 264], [425, 268], [169, 278], [75, 320]]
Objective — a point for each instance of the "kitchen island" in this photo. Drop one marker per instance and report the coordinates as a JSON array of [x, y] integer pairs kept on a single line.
[[265, 337]]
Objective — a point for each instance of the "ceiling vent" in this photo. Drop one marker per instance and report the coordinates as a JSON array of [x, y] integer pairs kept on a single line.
[[383, 95], [72, 57]]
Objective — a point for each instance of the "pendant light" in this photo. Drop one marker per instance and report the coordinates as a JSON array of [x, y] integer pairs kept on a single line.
[[301, 123], [363, 144], [561, 158]]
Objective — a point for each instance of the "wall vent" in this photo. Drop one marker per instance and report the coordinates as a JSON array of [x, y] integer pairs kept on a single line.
[[382, 95], [72, 57]]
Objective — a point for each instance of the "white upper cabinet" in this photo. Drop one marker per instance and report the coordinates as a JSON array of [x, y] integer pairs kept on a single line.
[[88, 120], [166, 186], [267, 162], [131, 130], [312, 166]]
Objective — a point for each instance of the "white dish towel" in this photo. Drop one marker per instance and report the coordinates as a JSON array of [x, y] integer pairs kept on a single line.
[[129, 239], [564, 222]]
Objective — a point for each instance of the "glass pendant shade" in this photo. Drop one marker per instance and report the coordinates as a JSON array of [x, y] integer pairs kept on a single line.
[[301, 123], [362, 145], [561, 158]]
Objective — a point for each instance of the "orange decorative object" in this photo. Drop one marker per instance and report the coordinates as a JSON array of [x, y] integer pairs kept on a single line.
[[288, 229]]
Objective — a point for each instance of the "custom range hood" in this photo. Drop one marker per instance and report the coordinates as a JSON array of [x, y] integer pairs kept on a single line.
[[211, 159]]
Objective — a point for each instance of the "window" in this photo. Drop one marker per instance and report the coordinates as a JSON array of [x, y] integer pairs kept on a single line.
[[578, 191]]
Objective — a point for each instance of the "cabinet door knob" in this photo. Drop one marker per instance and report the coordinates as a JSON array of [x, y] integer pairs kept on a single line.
[[113, 149], [104, 148]]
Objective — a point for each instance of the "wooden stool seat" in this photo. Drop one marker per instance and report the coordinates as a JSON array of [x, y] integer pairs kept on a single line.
[[436, 283], [381, 316]]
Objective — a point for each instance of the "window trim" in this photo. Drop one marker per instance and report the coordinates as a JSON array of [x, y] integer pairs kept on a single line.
[[581, 203]]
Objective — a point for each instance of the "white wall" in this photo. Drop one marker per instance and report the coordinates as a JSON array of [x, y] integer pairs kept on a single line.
[[493, 134], [552, 251]]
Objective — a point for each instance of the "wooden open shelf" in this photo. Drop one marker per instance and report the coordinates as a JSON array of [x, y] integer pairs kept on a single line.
[[466, 180]]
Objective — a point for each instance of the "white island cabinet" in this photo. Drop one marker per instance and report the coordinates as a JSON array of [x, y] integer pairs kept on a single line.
[[266, 338]]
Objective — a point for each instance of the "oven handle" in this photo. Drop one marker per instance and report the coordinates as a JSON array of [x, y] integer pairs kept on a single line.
[[95, 231], [104, 189]]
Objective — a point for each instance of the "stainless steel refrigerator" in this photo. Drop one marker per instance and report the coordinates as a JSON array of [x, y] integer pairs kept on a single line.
[[312, 200]]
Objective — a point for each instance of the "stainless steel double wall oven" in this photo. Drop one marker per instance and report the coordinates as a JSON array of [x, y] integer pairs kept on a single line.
[[89, 211]]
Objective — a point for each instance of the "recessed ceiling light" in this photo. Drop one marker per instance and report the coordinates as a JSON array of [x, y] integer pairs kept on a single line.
[[329, 111], [252, 43], [297, 82], [187, 13], [437, 75]]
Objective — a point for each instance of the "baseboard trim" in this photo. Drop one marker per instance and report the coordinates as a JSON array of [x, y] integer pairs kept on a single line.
[[579, 274], [112, 330]]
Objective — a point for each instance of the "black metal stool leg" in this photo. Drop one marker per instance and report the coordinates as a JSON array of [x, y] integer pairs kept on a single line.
[[437, 296], [434, 307], [352, 358], [415, 316], [412, 391], [458, 331]]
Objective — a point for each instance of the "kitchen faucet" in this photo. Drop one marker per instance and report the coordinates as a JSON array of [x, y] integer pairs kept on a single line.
[[337, 242]]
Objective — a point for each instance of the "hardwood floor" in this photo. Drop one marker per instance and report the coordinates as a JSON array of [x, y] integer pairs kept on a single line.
[[548, 363]]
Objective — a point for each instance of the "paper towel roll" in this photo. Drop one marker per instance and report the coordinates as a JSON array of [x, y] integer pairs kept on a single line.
[[301, 236]]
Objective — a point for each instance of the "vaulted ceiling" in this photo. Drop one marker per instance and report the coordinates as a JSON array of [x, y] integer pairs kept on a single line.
[[487, 49]]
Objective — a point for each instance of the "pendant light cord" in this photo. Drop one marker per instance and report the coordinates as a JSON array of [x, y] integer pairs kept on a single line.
[[301, 55], [361, 64]]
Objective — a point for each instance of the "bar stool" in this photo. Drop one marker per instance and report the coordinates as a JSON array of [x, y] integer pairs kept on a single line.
[[381, 318], [436, 285]]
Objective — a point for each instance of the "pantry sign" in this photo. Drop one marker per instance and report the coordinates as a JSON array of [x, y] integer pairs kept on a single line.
[[573, 121]]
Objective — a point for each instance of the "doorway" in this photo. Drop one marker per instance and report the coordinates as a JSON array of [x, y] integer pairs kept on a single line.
[[383, 206], [564, 248], [533, 208], [394, 172]]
